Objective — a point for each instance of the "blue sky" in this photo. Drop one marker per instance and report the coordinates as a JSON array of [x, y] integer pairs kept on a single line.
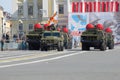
[[6, 4]]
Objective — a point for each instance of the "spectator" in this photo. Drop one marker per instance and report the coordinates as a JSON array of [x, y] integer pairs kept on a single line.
[[15, 37], [3, 36], [7, 37], [2, 44]]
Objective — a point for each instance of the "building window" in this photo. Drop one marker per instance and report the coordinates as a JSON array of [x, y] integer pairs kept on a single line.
[[30, 10], [30, 26], [61, 9], [21, 27], [20, 9]]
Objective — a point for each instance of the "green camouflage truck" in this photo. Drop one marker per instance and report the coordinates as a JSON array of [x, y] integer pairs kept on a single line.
[[99, 39], [34, 39], [52, 40]]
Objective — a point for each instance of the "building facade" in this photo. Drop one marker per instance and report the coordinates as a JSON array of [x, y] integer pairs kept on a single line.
[[25, 14]]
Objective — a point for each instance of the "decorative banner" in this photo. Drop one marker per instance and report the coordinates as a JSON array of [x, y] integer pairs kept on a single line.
[[99, 6], [73, 4], [81, 6], [116, 6], [86, 7], [90, 6], [111, 6], [103, 6], [95, 9], [77, 23], [77, 6], [107, 6]]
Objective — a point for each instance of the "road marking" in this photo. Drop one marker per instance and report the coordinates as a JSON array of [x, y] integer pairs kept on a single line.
[[27, 57], [43, 60]]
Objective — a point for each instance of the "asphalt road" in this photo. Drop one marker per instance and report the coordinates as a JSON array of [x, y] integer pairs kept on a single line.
[[68, 65]]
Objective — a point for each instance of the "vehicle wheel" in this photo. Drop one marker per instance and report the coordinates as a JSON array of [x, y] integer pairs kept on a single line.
[[103, 46], [111, 45], [85, 47], [66, 46], [62, 48], [42, 48], [30, 47]]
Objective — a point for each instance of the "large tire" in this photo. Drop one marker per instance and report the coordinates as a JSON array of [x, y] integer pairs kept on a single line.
[[103, 46], [85, 47], [42, 49], [111, 45], [60, 47], [32, 46]]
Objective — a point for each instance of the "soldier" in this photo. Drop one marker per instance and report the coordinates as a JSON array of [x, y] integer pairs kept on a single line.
[[2, 44]]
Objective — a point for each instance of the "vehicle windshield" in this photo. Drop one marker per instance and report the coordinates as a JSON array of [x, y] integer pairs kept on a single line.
[[52, 34], [47, 34], [56, 34]]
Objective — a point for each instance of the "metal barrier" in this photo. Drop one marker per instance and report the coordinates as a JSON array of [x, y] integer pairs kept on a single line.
[[14, 45]]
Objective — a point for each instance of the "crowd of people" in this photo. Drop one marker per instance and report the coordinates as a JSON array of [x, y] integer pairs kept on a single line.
[[6, 39]]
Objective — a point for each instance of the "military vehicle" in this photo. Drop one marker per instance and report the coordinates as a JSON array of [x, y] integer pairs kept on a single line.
[[99, 39], [52, 40], [34, 39]]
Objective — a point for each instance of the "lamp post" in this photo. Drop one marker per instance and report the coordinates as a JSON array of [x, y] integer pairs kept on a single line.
[[11, 29], [2, 26], [20, 28]]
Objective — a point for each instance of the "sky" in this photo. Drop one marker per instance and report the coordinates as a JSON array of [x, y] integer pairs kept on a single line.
[[6, 4]]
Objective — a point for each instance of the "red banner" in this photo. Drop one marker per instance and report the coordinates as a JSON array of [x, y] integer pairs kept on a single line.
[[116, 6], [98, 6], [85, 7], [95, 7], [81, 6], [107, 6], [111, 6], [90, 7], [73, 4], [76, 4], [103, 6]]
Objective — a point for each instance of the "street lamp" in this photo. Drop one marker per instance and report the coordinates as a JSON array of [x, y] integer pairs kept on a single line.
[[11, 29], [2, 26]]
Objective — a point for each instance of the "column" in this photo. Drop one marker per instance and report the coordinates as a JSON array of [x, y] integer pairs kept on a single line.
[[55, 7], [25, 8], [69, 6], [45, 7], [35, 8]]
